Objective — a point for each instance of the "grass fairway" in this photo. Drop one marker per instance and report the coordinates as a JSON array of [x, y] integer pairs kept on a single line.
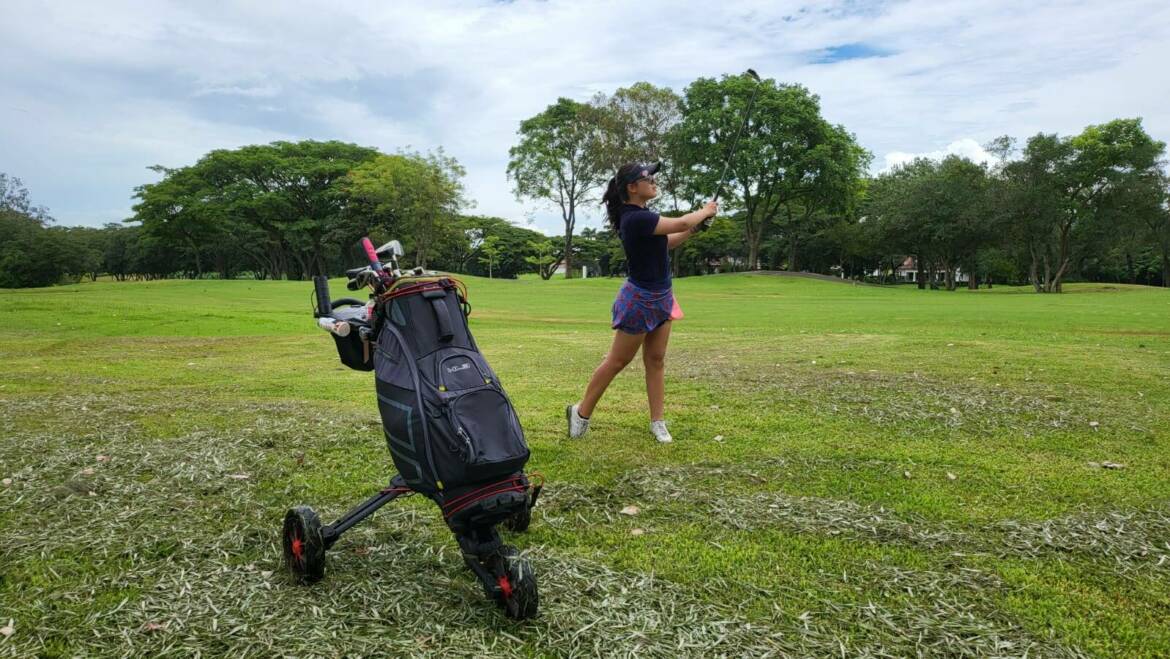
[[856, 470]]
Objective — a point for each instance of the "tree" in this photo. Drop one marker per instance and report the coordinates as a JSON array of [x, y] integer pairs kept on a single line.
[[897, 206], [1061, 187], [276, 207], [489, 252], [560, 160], [960, 217], [409, 195], [638, 121], [721, 246], [29, 255], [789, 166], [938, 211], [15, 197], [545, 255]]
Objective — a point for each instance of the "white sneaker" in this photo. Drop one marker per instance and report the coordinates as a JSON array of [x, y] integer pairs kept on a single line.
[[660, 432], [578, 424]]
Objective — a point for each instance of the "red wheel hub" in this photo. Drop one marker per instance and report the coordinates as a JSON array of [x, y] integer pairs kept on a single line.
[[505, 586], [298, 549]]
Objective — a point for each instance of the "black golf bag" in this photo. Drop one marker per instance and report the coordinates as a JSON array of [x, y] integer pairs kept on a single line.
[[449, 425], [451, 430]]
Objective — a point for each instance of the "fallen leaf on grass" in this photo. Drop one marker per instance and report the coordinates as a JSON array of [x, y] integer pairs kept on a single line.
[[630, 510], [718, 438], [1094, 425], [154, 626], [239, 477], [103, 458], [7, 482], [636, 531], [8, 630], [88, 471], [1112, 465], [951, 476], [905, 474]]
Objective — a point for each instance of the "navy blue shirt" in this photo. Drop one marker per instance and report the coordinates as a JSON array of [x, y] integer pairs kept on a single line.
[[647, 258]]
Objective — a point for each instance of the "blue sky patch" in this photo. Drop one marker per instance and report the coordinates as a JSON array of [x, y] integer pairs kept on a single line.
[[849, 51]]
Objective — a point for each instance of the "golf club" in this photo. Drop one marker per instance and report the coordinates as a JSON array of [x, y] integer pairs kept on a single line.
[[735, 142]]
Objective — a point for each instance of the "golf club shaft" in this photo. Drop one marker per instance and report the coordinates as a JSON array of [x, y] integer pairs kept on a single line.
[[735, 142]]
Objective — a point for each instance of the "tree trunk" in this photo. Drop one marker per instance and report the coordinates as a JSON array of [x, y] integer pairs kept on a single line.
[[198, 260], [972, 282], [921, 276], [1165, 266], [792, 253], [1033, 273], [568, 253], [753, 252]]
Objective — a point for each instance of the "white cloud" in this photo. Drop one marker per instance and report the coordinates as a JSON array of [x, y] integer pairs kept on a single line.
[[104, 90], [966, 148]]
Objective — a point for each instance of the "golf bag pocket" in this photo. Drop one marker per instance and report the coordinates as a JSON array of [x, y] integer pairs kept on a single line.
[[486, 423], [354, 352], [460, 371]]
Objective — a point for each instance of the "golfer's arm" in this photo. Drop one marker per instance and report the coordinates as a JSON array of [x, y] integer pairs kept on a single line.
[[671, 225], [676, 239]]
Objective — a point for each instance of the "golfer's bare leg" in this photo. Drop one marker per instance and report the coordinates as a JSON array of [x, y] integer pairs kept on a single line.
[[621, 353], [654, 358]]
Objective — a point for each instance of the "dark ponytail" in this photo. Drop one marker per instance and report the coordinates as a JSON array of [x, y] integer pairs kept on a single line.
[[616, 195]]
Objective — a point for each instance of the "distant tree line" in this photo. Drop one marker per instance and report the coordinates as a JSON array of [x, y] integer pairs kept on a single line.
[[1093, 206]]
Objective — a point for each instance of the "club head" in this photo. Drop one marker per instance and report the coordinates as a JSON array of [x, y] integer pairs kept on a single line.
[[392, 248], [755, 76]]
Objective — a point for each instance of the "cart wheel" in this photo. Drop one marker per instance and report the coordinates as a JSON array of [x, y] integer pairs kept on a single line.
[[518, 523], [304, 549], [517, 582]]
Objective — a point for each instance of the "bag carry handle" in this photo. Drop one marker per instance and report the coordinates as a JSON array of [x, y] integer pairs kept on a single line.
[[442, 317]]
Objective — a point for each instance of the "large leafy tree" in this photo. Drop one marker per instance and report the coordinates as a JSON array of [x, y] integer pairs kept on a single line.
[[498, 242], [29, 254], [790, 165], [938, 211], [409, 195], [561, 160], [638, 124], [1058, 194], [273, 204], [899, 210], [960, 218]]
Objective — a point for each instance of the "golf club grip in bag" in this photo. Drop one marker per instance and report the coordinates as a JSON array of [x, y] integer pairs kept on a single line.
[[447, 420]]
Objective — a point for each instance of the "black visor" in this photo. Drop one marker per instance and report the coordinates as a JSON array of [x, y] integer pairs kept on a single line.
[[643, 171]]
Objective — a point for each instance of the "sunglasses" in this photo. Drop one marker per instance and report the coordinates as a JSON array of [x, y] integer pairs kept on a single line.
[[649, 179]]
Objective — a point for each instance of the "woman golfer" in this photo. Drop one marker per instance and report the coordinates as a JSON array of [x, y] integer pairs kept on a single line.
[[645, 305]]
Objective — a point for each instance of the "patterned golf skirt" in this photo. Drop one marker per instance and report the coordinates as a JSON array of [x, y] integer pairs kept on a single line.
[[637, 310]]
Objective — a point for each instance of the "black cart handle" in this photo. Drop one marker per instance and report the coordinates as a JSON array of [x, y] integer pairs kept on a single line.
[[324, 306]]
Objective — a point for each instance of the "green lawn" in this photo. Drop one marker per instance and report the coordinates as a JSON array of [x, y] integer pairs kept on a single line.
[[856, 470]]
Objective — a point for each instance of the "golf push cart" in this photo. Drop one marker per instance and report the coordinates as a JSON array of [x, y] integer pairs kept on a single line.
[[451, 430]]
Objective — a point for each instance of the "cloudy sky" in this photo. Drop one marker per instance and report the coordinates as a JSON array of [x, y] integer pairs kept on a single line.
[[92, 93]]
